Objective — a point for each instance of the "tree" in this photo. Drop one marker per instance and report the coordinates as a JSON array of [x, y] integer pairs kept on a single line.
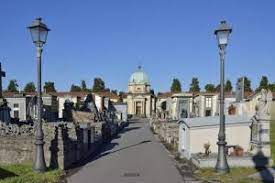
[[210, 88], [99, 85], [218, 88], [49, 87], [83, 86], [120, 94], [75, 88], [272, 87], [176, 86], [13, 86], [194, 86], [29, 87], [228, 86], [263, 84], [247, 84], [114, 91]]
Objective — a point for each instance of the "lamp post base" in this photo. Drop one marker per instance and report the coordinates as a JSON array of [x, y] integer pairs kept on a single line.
[[39, 164], [222, 165]]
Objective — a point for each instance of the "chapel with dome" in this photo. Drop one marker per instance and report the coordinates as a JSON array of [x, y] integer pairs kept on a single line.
[[141, 101]]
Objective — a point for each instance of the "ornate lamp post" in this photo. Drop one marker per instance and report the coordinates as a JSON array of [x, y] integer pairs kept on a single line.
[[39, 32], [222, 34]]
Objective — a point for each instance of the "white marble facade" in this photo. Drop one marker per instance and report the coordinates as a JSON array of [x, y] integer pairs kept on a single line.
[[140, 100]]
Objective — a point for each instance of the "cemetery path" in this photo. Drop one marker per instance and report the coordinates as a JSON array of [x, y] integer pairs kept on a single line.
[[135, 156]]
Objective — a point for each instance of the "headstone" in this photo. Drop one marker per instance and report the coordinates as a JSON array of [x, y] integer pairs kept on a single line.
[[240, 90]]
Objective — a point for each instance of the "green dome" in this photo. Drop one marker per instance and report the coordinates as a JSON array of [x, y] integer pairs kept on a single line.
[[139, 77]]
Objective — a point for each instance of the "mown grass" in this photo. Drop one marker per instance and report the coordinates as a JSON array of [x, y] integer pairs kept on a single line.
[[236, 175], [24, 174]]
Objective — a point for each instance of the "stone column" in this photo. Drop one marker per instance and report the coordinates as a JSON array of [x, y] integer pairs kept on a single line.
[[264, 135]]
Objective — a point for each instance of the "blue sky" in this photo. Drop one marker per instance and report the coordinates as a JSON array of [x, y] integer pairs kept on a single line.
[[109, 39]]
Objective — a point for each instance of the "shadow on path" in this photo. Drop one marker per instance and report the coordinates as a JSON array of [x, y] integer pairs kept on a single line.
[[111, 152], [104, 150]]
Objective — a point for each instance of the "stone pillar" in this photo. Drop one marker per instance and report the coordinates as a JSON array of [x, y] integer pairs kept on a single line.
[[264, 135]]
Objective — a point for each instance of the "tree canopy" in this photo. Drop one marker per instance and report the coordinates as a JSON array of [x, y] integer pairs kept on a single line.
[[29, 87], [99, 85], [176, 86], [210, 88], [13, 86], [83, 86], [264, 84], [194, 86], [49, 87], [247, 84], [75, 88], [228, 86]]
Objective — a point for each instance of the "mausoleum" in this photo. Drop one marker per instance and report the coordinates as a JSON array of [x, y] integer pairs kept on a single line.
[[140, 99]]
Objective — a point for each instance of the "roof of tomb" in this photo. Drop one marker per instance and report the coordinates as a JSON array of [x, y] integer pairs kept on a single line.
[[215, 121]]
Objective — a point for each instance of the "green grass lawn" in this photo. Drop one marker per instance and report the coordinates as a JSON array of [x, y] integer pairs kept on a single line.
[[24, 174], [236, 175]]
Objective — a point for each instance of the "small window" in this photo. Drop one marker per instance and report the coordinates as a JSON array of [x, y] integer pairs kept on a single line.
[[15, 105]]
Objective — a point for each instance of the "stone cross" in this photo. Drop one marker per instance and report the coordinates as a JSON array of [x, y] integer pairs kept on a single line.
[[2, 74]]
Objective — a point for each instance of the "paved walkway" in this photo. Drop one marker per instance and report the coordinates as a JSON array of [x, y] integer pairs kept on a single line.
[[135, 156]]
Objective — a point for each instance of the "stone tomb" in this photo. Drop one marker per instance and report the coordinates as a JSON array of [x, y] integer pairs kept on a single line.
[[248, 138]]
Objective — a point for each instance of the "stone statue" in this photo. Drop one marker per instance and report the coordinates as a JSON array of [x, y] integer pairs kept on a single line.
[[263, 105]]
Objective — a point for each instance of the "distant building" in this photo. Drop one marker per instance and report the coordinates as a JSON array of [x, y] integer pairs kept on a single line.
[[141, 100], [190, 105], [74, 97], [24, 107], [121, 111]]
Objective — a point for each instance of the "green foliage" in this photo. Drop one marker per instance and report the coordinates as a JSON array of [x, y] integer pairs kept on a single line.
[[228, 86], [263, 84], [114, 91], [247, 84], [83, 86], [218, 87], [194, 86], [210, 88], [13, 86], [272, 87], [75, 88], [176, 86], [24, 173], [99, 85], [30, 87], [235, 175], [49, 87]]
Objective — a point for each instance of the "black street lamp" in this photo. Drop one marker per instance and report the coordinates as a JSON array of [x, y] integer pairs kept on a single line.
[[222, 34], [39, 32]]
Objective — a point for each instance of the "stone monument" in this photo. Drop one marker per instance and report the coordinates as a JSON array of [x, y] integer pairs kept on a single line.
[[260, 128]]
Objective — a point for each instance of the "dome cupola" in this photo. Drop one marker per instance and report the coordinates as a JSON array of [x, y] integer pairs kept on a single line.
[[139, 78]]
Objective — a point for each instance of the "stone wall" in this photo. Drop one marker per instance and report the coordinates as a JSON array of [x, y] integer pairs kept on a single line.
[[65, 144], [168, 130]]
